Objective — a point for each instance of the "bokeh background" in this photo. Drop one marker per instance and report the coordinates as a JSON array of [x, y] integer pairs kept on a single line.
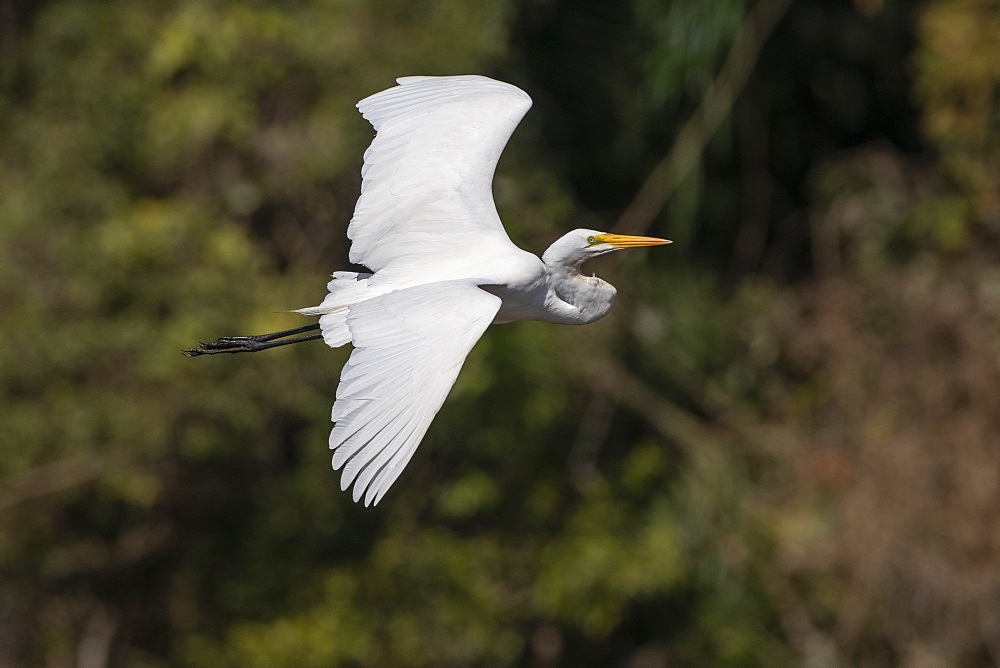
[[780, 448]]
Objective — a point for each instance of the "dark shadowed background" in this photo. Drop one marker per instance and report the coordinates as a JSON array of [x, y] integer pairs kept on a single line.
[[782, 447]]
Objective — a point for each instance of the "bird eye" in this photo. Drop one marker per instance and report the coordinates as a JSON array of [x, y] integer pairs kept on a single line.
[[591, 240]]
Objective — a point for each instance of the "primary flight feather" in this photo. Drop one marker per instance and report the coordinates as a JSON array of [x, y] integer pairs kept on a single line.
[[443, 270]]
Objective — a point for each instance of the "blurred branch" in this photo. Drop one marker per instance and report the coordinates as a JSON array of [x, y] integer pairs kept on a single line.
[[47, 479], [714, 107], [593, 432], [681, 426], [94, 648], [672, 422]]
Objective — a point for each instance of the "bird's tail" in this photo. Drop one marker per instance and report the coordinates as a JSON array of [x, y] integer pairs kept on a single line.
[[346, 288]]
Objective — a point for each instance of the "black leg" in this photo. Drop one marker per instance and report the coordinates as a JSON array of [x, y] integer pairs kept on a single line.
[[252, 344]]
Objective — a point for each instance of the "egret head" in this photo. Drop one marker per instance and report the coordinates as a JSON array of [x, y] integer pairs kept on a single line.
[[576, 247]]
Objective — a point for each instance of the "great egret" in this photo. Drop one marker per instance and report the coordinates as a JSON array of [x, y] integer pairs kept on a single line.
[[443, 270]]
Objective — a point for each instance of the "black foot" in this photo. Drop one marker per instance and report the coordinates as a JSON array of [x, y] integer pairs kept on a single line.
[[227, 344], [251, 344]]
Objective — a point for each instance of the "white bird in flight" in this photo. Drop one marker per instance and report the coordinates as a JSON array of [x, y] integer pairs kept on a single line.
[[442, 270]]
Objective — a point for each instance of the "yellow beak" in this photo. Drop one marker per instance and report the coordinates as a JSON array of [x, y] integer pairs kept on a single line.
[[626, 241]]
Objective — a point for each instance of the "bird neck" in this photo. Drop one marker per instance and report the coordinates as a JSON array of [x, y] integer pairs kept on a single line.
[[574, 298]]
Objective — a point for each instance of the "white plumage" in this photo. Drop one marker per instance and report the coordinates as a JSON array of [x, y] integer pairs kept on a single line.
[[427, 182], [443, 269], [405, 361]]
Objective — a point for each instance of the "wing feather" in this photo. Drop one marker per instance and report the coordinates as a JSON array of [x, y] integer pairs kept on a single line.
[[409, 346], [363, 433], [389, 474], [427, 179], [412, 422]]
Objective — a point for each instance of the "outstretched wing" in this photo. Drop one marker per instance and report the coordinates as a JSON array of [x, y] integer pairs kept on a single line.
[[409, 346], [427, 188]]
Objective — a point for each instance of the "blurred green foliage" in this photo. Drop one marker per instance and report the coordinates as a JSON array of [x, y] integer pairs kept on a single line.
[[780, 448]]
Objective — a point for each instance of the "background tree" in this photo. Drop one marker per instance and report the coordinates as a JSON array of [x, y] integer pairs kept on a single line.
[[779, 448]]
